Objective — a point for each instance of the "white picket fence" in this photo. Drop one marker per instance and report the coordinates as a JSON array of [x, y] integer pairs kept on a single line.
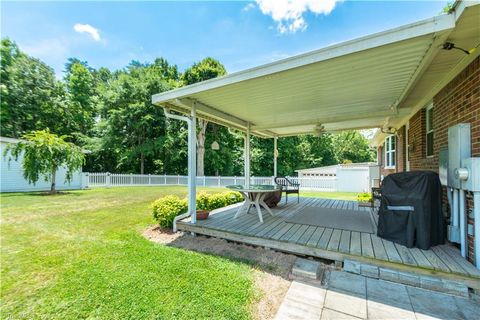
[[105, 179]]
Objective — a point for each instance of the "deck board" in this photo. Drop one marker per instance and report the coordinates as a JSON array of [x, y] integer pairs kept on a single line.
[[344, 245], [391, 251], [367, 248], [355, 243], [334, 240], [327, 242]]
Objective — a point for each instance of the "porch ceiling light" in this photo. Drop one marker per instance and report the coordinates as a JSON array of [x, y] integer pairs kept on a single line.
[[215, 145], [451, 45]]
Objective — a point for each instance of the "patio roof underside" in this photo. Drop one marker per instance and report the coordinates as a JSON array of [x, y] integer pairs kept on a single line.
[[371, 82]]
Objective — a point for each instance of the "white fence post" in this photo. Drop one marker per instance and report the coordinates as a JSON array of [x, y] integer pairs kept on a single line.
[[107, 180], [85, 180]]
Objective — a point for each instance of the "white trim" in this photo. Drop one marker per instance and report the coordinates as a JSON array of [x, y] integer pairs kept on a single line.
[[407, 151], [388, 153], [428, 129]]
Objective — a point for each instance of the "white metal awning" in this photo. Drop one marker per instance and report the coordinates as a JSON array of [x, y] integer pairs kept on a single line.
[[362, 83]]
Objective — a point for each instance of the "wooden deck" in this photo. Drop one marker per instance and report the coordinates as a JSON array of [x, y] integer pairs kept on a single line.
[[333, 244]]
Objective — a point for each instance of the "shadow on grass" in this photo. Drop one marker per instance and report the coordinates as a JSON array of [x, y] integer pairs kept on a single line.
[[39, 193]]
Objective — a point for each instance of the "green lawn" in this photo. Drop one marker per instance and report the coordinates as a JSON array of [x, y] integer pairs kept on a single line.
[[82, 255], [329, 195]]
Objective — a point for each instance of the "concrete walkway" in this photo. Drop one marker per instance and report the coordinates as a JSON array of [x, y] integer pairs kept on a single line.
[[350, 296]]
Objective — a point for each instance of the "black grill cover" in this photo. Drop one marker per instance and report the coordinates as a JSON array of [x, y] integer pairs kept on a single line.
[[423, 227]]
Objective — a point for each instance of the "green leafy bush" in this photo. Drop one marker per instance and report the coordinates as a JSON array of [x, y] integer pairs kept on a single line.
[[364, 197], [233, 197], [167, 208], [203, 201]]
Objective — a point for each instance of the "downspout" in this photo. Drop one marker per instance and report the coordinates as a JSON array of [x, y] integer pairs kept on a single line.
[[476, 217], [455, 215], [463, 223], [192, 201]]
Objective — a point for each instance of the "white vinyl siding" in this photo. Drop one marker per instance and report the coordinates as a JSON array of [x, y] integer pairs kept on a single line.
[[12, 179]]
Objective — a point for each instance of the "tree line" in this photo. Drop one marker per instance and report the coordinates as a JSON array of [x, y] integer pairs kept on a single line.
[[110, 114]]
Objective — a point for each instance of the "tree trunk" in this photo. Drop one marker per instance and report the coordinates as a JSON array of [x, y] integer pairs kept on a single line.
[[142, 162], [201, 147], [53, 189]]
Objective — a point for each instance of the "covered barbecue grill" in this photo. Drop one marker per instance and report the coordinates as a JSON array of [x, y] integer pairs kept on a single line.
[[410, 212]]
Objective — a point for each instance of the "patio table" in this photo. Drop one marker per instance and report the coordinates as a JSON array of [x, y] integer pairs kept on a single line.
[[254, 195]]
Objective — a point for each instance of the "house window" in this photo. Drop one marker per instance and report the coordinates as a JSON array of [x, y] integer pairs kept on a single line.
[[429, 130], [390, 152]]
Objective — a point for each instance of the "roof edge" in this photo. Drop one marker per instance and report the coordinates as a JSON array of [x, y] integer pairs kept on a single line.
[[408, 31]]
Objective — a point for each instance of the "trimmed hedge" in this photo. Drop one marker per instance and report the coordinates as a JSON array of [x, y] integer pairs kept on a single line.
[[364, 197], [167, 208]]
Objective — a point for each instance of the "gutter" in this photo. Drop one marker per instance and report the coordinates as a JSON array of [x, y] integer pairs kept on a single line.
[[191, 162]]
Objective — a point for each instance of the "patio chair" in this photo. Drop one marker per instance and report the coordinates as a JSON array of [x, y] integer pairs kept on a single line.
[[288, 187]]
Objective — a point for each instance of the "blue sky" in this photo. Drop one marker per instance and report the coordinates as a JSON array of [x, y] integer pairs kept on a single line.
[[240, 34]]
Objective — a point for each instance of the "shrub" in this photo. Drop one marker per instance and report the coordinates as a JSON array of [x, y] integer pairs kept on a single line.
[[364, 197], [167, 208], [203, 201], [233, 197]]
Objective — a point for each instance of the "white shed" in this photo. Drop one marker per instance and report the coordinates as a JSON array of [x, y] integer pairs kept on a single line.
[[352, 177], [12, 180]]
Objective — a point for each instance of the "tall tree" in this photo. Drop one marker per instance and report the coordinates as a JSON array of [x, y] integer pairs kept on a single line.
[[81, 87], [134, 126], [43, 154], [352, 146], [206, 69], [30, 94]]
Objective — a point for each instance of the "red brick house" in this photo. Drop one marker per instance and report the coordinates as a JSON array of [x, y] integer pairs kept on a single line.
[[415, 144]]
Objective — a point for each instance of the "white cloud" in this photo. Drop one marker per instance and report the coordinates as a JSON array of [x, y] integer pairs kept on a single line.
[[248, 7], [288, 14], [86, 28]]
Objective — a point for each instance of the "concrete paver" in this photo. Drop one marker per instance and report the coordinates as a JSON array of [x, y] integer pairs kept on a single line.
[[348, 303], [351, 296], [347, 282], [302, 301], [433, 305], [328, 314], [386, 300]]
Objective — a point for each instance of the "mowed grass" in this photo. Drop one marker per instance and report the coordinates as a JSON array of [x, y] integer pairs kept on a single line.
[[82, 255], [352, 196]]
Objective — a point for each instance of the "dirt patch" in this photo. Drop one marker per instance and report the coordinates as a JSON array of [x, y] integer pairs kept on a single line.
[[271, 268], [159, 235]]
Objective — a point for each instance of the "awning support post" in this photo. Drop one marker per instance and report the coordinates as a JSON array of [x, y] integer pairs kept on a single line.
[[192, 164], [247, 156], [275, 156]]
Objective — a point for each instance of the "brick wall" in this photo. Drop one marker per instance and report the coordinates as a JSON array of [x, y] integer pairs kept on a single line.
[[458, 102]]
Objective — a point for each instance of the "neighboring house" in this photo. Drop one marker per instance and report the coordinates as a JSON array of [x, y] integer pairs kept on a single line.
[[12, 179], [353, 177], [417, 142]]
